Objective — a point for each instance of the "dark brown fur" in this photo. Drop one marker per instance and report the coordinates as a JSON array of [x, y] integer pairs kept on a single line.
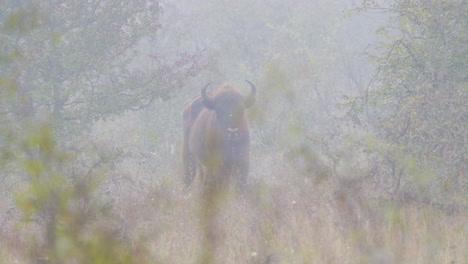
[[217, 136]]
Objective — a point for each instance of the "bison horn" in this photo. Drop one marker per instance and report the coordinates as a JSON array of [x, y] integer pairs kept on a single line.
[[250, 98], [207, 100]]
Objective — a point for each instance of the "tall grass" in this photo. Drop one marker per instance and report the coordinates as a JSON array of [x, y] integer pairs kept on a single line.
[[284, 217]]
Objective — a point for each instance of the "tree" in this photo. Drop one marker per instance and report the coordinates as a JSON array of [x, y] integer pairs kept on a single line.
[[82, 63], [66, 208], [417, 98]]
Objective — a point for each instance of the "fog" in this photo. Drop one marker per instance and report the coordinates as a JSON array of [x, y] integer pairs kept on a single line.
[[357, 131]]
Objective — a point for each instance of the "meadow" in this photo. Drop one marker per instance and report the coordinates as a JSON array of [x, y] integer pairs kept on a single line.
[[283, 217]]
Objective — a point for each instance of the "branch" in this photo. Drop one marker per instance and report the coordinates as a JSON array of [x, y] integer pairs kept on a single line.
[[374, 77]]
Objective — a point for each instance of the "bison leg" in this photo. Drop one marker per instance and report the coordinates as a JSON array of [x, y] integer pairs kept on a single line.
[[210, 177], [190, 167], [216, 177], [242, 171]]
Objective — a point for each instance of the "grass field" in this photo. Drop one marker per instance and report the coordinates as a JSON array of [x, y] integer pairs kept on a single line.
[[282, 218]]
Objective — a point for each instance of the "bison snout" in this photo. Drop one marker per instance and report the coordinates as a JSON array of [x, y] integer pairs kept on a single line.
[[233, 133]]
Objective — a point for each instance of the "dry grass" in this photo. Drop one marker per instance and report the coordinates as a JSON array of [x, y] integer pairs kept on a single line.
[[282, 219], [285, 218], [290, 229]]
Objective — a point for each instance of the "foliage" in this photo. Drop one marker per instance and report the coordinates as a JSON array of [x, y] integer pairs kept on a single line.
[[82, 63], [64, 66], [417, 98], [68, 209]]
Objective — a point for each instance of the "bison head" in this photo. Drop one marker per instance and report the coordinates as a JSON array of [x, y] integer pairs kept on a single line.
[[229, 105]]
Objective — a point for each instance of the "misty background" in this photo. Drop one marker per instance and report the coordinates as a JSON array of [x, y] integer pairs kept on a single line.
[[358, 131]]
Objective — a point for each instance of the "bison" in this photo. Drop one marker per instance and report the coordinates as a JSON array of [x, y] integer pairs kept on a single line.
[[216, 139]]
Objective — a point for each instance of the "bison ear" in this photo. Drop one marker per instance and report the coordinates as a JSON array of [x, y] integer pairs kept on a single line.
[[207, 100]]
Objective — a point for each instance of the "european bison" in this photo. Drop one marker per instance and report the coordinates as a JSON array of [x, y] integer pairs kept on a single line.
[[216, 135]]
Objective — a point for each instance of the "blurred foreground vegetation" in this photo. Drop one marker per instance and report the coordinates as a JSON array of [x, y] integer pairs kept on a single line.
[[358, 139]]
